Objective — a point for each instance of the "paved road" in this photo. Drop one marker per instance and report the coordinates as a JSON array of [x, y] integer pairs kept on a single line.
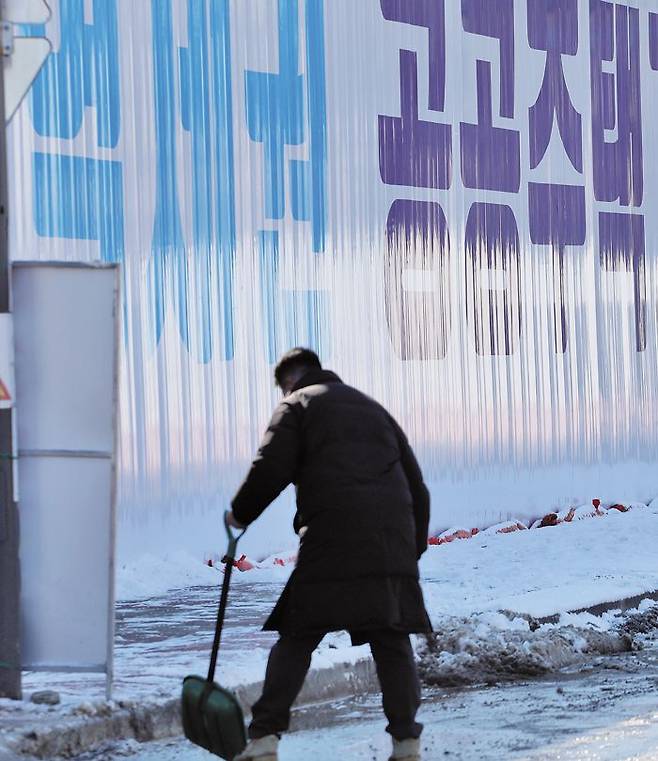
[[605, 710]]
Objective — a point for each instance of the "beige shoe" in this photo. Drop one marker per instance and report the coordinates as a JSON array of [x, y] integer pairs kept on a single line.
[[263, 749], [406, 750]]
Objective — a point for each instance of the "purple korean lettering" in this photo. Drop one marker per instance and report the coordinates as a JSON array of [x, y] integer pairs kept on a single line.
[[621, 248], [557, 219], [616, 103], [491, 156], [492, 243], [418, 319], [412, 151], [553, 27], [430, 14], [557, 216]]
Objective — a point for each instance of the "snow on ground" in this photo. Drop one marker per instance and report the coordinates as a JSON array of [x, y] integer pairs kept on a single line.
[[538, 572], [167, 609], [545, 571], [492, 647], [153, 576]]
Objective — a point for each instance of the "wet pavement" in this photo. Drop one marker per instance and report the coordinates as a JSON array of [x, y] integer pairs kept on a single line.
[[160, 639], [180, 626]]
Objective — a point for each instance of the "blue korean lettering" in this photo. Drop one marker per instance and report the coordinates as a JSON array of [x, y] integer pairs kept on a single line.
[[83, 73], [87, 203], [205, 97], [275, 117]]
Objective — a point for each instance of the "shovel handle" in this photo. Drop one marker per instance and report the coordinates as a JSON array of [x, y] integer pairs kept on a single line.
[[233, 538]]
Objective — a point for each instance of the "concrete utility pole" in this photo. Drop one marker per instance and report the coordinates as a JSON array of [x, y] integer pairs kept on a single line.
[[10, 658], [20, 61]]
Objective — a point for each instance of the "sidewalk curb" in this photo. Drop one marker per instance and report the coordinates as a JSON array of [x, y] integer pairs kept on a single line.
[[71, 736], [627, 603]]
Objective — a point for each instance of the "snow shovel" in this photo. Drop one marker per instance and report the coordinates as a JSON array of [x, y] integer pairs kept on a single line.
[[212, 717]]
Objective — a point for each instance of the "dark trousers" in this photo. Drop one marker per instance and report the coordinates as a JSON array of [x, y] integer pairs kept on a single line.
[[288, 665]]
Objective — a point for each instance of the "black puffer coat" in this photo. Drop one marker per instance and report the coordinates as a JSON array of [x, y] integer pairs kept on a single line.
[[361, 497]]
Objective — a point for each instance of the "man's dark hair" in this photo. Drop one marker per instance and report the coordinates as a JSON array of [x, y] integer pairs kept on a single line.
[[293, 360]]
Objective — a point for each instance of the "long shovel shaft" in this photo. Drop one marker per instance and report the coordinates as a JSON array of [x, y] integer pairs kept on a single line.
[[220, 618], [228, 559]]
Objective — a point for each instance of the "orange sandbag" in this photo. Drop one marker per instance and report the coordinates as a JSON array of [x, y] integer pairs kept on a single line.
[[243, 564]]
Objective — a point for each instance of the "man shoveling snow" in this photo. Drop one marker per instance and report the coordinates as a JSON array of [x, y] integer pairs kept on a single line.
[[362, 514]]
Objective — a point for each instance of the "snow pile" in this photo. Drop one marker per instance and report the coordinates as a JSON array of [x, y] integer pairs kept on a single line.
[[151, 576], [507, 527], [595, 509], [642, 625], [450, 534], [542, 573], [491, 647]]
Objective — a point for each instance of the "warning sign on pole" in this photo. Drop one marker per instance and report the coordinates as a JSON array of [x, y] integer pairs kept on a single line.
[[25, 11], [6, 361], [22, 57]]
